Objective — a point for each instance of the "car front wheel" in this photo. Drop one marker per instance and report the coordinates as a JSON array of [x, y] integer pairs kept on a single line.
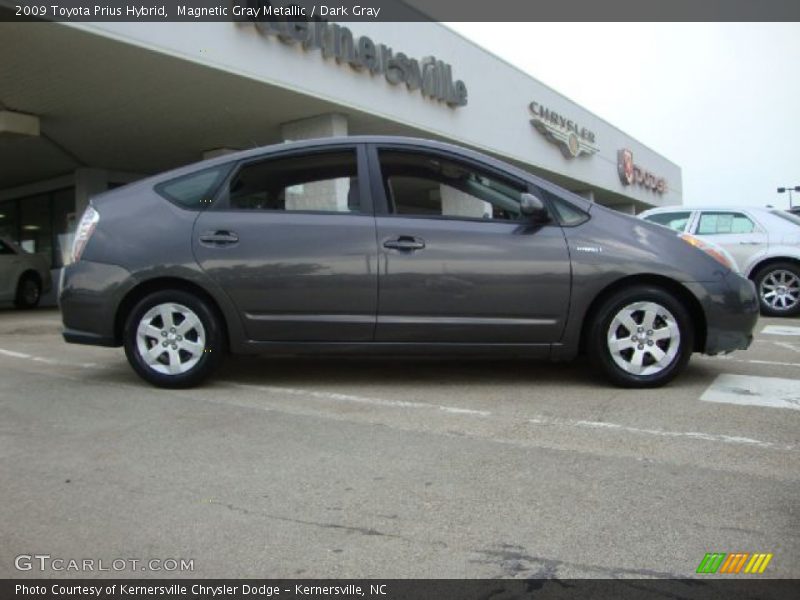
[[173, 339], [778, 288], [640, 337]]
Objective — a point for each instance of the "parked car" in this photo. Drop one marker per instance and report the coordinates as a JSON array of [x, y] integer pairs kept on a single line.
[[24, 276], [384, 245], [765, 242]]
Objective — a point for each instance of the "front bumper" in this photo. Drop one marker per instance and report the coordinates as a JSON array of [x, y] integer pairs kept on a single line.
[[89, 298], [731, 310]]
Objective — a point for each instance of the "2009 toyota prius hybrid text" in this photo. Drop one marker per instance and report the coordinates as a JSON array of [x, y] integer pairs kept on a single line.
[[394, 246]]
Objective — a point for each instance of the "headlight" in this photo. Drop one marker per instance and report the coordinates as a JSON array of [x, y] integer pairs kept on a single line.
[[714, 252], [85, 230]]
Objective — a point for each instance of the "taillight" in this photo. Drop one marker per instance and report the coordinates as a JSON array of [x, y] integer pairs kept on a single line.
[[85, 230]]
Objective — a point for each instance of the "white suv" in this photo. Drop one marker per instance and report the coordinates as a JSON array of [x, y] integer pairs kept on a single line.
[[764, 242]]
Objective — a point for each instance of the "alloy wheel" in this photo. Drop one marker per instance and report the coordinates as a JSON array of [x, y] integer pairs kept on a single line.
[[780, 290], [170, 338], [643, 338]]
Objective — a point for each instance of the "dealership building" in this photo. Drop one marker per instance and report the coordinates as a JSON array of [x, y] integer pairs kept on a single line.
[[86, 107]]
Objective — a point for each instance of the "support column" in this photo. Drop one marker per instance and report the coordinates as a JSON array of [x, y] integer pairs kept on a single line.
[[321, 195], [88, 182], [457, 203], [321, 126], [628, 209], [216, 152]]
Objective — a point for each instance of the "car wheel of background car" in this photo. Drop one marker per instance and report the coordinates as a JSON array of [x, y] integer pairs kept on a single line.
[[778, 288], [173, 339], [29, 292], [640, 337]]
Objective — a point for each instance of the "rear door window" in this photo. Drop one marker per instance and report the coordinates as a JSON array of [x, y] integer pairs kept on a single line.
[[673, 220], [320, 182]]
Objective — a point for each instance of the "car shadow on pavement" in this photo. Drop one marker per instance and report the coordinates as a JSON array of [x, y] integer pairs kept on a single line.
[[402, 372], [318, 372]]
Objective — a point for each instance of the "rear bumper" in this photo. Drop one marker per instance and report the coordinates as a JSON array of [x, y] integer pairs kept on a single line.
[[72, 336], [731, 310], [89, 297]]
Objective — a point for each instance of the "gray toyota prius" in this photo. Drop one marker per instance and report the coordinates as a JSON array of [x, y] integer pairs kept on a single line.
[[395, 246]]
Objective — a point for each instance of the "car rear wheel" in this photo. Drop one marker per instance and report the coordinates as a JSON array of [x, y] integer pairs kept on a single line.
[[640, 337], [29, 292], [173, 339], [778, 288]]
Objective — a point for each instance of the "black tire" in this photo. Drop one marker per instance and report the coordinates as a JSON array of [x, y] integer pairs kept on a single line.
[[768, 280], [29, 292], [175, 366], [670, 316]]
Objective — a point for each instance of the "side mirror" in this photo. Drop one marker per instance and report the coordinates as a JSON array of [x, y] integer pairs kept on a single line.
[[533, 207]]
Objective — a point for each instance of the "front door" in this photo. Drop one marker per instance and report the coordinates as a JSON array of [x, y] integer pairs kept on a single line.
[[291, 240], [458, 261]]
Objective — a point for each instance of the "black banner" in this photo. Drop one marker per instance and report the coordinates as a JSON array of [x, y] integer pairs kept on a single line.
[[404, 589], [400, 10]]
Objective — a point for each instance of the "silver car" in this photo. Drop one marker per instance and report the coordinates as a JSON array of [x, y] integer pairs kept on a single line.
[[24, 277], [764, 242]]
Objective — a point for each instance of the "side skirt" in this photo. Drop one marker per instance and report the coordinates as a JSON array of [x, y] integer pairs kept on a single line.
[[536, 351]]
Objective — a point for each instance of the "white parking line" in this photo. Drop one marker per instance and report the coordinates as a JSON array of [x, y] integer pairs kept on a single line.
[[781, 330], [787, 346], [362, 399], [696, 435], [749, 361], [748, 390], [545, 421], [49, 361]]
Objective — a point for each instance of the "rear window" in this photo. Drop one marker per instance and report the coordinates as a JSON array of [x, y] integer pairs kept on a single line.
[[787, 216], [196, 190]]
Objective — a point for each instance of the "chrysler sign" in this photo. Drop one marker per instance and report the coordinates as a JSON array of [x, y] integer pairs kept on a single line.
[[571, 139]]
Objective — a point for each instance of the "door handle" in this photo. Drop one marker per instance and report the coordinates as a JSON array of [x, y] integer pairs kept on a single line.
[[749, 243], [405, 242], [219, 238]]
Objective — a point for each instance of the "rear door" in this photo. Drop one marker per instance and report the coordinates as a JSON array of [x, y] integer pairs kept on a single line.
[[458, 262], [291, 239]]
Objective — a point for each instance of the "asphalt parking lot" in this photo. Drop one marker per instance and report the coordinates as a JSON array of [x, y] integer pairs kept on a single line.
[[322, 468]]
